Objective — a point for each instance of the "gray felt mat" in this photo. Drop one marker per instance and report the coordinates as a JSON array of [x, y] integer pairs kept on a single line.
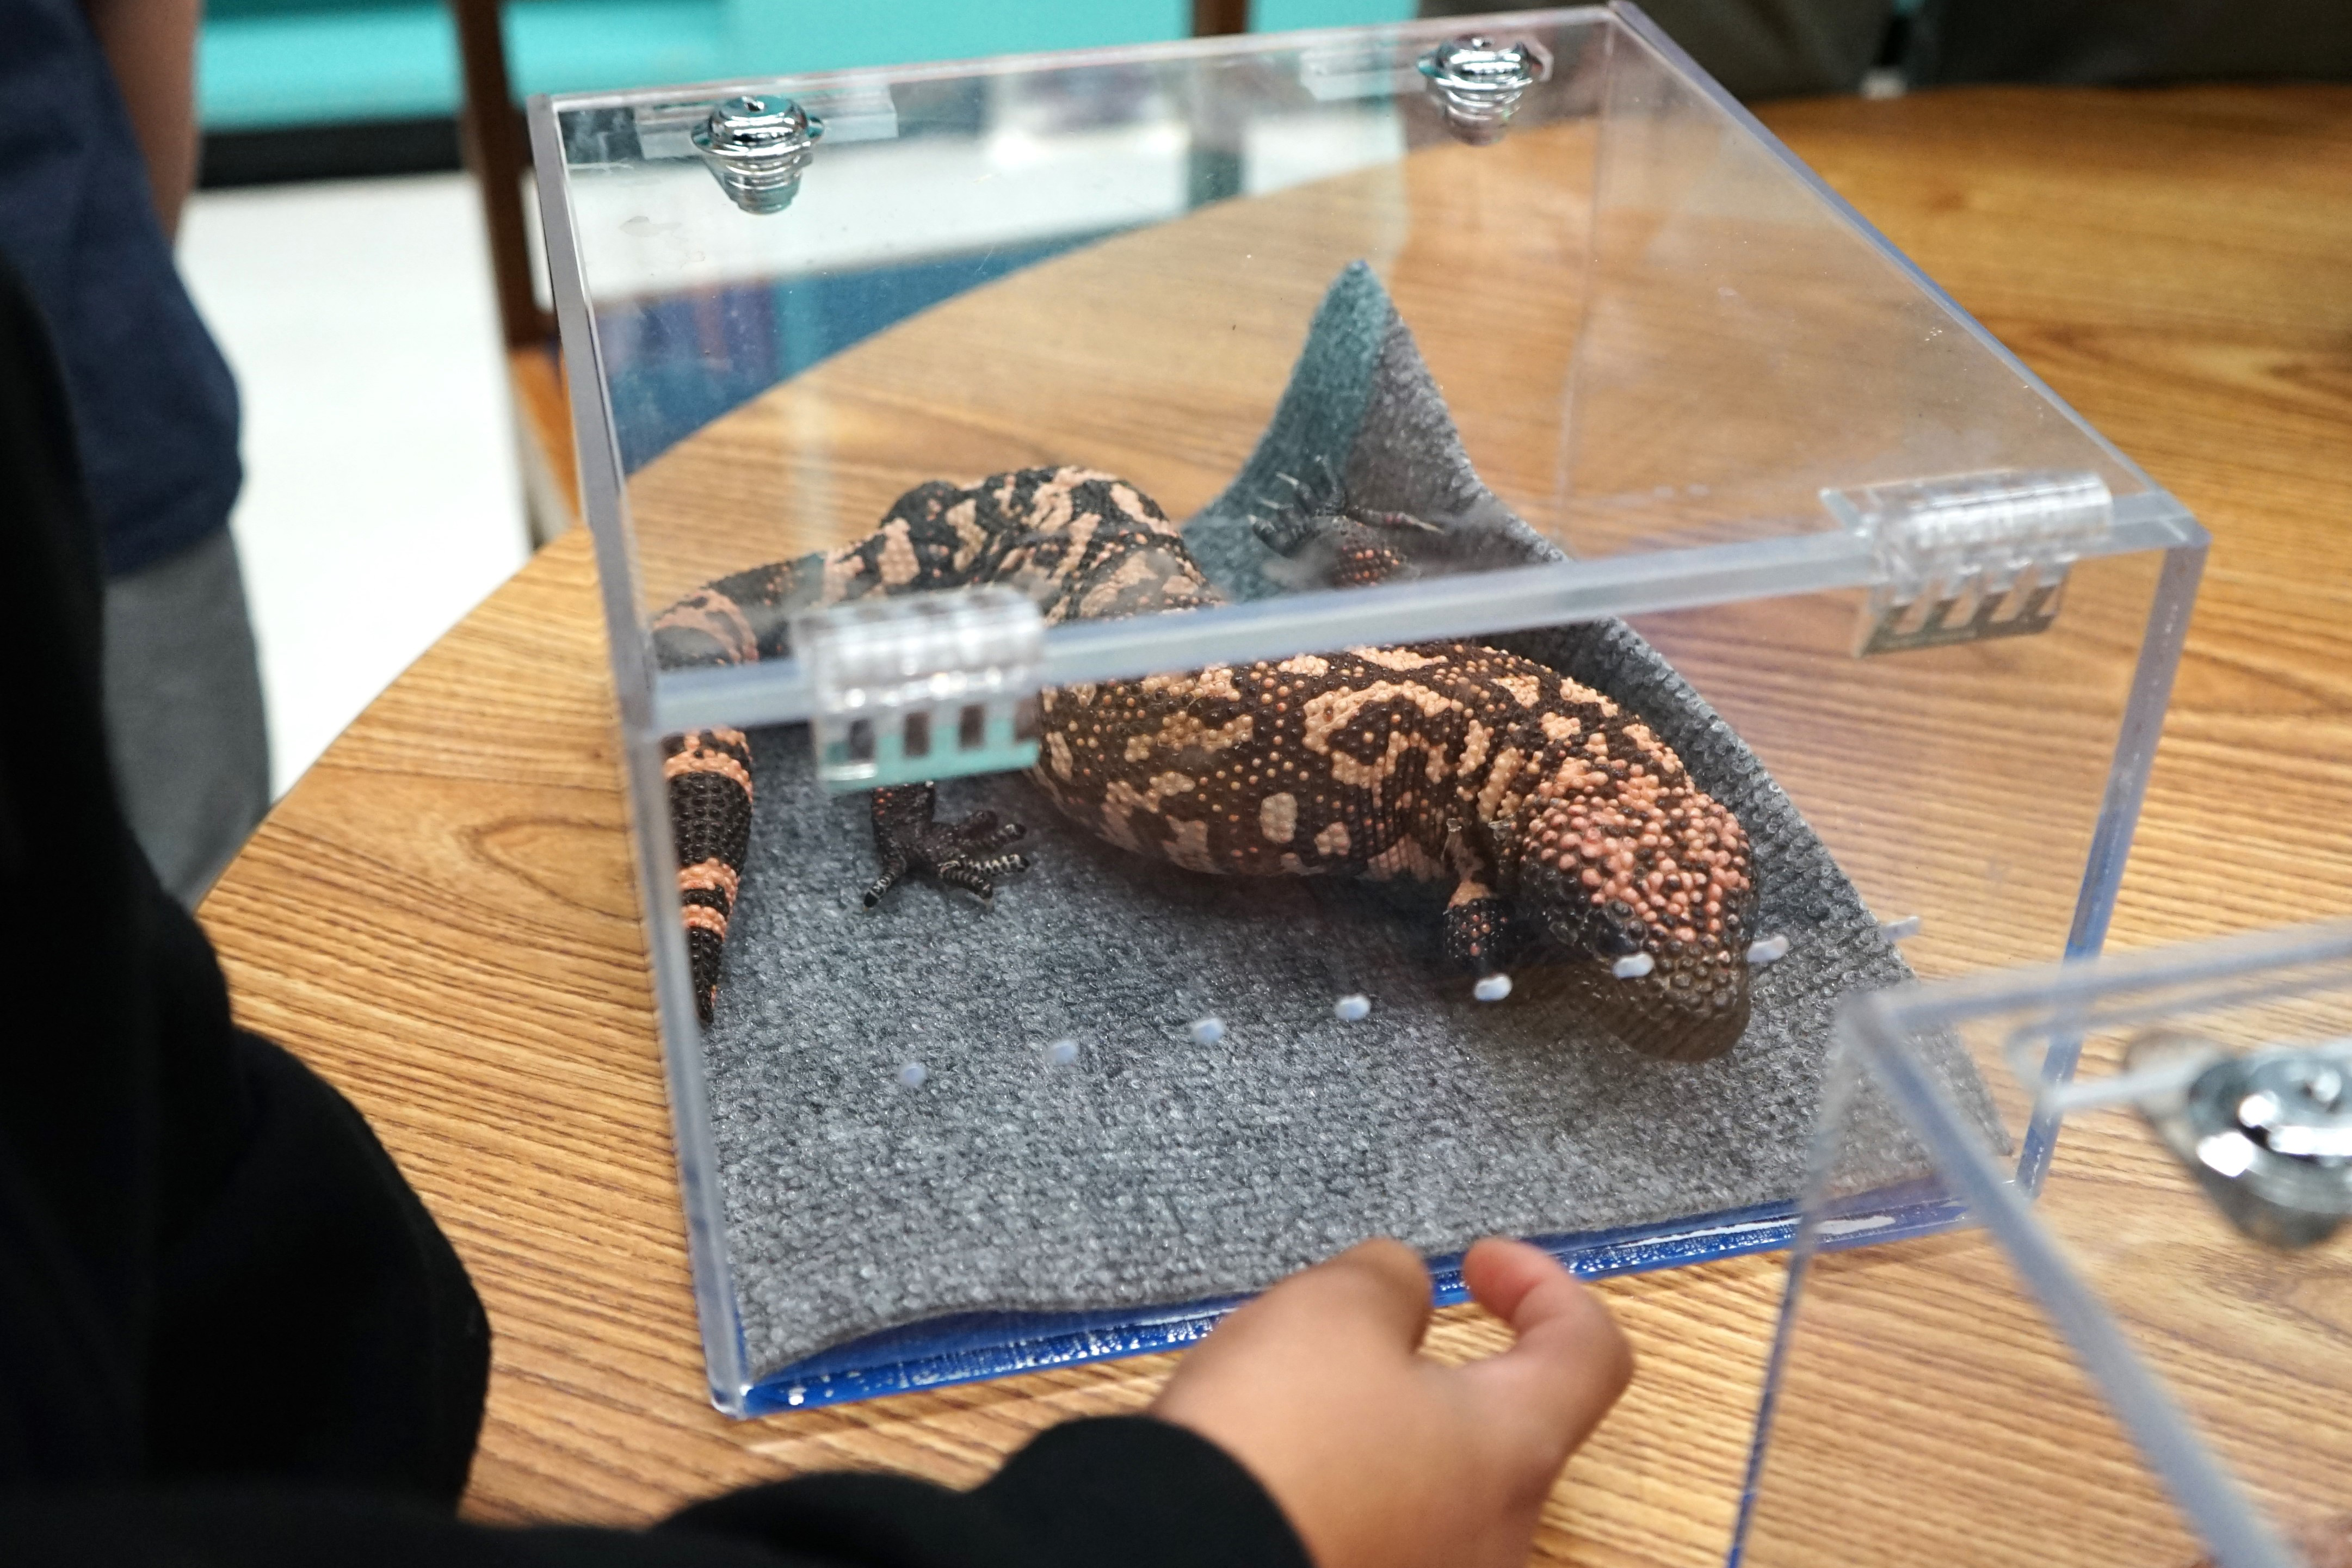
[[1155, 1168]]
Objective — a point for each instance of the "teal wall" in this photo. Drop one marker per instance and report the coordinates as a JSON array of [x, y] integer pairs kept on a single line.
[[292, 62]]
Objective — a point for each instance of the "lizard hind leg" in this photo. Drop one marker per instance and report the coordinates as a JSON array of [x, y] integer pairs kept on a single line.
[[911, 841]]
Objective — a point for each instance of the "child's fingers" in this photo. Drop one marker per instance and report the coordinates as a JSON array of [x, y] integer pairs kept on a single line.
[[1389, 1286], [1501, 1274], [1378, 1288], [1571, 1361]]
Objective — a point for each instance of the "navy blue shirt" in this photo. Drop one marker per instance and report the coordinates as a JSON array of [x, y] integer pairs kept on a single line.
[[154, 408]]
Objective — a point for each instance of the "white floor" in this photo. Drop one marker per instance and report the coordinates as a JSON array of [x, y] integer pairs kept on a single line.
[[381, 496]]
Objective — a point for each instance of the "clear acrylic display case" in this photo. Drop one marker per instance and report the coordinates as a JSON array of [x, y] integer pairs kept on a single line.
[[2136, 1348], [1654, 371]]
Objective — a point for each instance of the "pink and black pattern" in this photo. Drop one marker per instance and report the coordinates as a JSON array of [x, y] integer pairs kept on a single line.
[[1564, 828]]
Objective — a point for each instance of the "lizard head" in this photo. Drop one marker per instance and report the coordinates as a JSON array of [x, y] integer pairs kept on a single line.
[[1630, 873]]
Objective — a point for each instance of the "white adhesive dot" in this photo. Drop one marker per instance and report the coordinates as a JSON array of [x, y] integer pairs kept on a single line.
[[1492, 988], [1632, 966], [914, 1075], [1765, 950], [1895, 931], [1208, 1031], [1354, 1009], [1061, 1053]]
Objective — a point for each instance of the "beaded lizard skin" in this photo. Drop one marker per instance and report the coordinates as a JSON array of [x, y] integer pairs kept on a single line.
[[1565, 829]]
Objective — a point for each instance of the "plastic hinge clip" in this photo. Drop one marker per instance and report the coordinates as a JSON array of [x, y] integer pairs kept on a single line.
[[1971, 556], [923, 685]]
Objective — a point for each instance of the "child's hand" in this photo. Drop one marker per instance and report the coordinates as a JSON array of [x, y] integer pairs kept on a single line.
[[1381, 1458]]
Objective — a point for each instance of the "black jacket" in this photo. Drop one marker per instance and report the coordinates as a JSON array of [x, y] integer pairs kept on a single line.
[[229, 1333]]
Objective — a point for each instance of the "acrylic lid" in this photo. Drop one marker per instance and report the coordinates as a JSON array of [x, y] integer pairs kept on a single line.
[[1666, 347]]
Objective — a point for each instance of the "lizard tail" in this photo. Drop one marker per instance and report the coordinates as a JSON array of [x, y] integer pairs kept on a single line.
[[710, 777], [735, 620], [937, 535]]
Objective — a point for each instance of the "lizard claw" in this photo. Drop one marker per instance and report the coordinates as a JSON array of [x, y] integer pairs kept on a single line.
[[911, 841]]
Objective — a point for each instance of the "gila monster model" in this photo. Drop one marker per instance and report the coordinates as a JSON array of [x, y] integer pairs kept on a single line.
[[1568, 832]]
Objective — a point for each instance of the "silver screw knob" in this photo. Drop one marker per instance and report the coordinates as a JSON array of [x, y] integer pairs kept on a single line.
[[2270, 1134], [1478, 82], [2294, 1106], [757, 148]]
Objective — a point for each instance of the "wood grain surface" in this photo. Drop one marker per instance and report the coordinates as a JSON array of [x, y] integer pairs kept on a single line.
[[543, 442], [440, 916]]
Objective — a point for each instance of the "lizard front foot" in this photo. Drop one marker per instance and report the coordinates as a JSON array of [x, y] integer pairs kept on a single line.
[[910, 841], [1479, 940], [1336, 543]]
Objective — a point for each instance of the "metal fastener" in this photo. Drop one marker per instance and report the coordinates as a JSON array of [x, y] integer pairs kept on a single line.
[[757, 148], [1478, 82], [2269, 1133]]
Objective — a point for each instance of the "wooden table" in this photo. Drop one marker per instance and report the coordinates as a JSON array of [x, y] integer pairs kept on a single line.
[[441, 917]]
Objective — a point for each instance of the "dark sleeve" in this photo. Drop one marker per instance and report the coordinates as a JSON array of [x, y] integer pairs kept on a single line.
[[229, 1332], [209, 1268], [1117, 1492], [1114, 1492]]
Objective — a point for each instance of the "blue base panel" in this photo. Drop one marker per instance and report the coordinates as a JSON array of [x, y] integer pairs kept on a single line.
[[972, 1347]]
